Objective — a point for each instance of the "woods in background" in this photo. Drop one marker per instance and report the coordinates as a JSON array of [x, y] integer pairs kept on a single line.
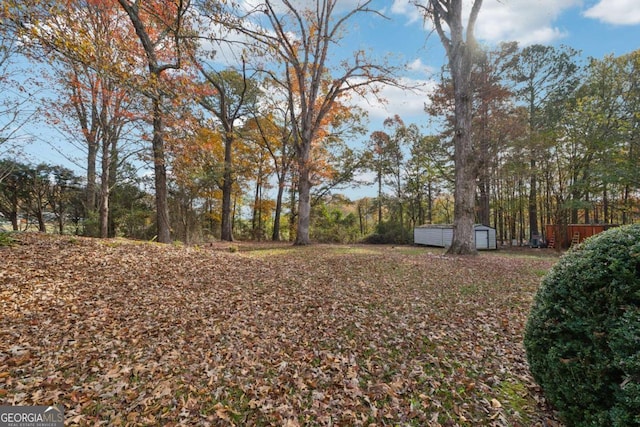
[[234, 148]]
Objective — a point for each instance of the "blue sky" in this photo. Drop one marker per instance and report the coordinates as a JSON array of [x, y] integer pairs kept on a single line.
[[596, 27]]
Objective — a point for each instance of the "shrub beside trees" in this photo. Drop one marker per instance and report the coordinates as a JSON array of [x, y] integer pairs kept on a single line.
[[583, 334]]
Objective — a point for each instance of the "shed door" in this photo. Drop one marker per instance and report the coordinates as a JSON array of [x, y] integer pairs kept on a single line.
[[482, 239]]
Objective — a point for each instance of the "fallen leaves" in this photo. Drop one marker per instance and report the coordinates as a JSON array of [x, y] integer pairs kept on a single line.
[[125, 333]]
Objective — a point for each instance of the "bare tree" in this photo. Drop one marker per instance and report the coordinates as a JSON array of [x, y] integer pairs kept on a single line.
[[461, 47], [15, 101], [301, 40]]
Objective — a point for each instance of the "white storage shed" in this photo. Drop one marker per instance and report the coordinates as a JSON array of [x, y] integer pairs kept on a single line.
[[441, 235]]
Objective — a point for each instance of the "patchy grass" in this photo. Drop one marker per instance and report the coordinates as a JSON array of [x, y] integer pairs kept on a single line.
[[6, 239], [148, 334]]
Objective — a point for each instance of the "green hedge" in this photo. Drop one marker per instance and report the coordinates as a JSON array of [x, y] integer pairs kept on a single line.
[[583, 334], [390, 233]]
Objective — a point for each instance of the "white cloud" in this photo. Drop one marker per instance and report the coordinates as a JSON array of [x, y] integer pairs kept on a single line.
[[391, 100], [406, 8], [420, 67], [617, 12], [525, 21]]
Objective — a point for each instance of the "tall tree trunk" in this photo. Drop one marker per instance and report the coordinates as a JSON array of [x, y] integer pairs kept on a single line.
[[484, 212], [13, 215], [625, 205], [275, 236], [169, 30], [113, 176], [61, 223], [513, 212], [430, 203], [293, 215], [188, 209], [42, 225], [379, 178], [484, 183], [587, 214], [105, 182], [226, 231], [303, 151], [104, 202], [160, 174], [464, 198], [465, 162], [91, 192], [254, 215], [533, 200], [304, 204], [421, 213], [533, 190]]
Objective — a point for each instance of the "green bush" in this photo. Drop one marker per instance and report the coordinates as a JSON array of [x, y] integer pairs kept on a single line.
[[6, 239], [390, 233], [331, 225], [583, 334]]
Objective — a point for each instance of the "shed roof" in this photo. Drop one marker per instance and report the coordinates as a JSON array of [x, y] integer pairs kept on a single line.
[[446, 226]]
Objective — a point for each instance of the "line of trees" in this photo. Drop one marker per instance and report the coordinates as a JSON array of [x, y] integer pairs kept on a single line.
[[51, 198], [167, 81], [554, 142], [260, 149]]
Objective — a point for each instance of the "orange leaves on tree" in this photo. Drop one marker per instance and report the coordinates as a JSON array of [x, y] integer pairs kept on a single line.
[[199, 156]]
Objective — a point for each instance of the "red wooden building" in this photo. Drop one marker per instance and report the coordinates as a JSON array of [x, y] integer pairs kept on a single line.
[[574, 233]]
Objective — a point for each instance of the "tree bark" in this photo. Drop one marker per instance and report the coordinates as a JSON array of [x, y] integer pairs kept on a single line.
[[42, 226], [160, 174], [13, 215], [276, 220], [104, 199], [226, 231], [465, 178], [108, 144], [533, 199], [92, 150], [304, 198], [293, 215]]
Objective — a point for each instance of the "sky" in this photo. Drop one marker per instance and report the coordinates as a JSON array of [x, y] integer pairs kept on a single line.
[[595, 27]]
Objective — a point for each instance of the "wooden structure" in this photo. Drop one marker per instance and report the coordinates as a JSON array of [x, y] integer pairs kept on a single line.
[[441, 235], [574, 233]]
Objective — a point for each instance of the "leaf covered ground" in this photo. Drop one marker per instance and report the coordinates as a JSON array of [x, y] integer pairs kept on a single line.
[[126, 333]]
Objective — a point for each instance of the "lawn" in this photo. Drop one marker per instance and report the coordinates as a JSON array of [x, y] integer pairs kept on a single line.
[[130, 333]]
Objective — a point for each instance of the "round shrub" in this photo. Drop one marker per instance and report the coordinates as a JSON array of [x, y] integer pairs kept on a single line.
[[583, 333]]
